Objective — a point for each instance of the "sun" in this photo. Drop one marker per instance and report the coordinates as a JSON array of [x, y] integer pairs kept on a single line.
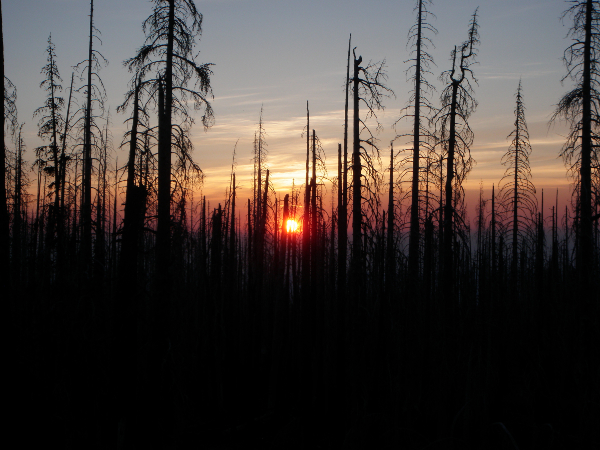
[[291, 226]]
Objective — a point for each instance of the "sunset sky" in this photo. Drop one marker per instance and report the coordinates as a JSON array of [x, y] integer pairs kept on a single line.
[[280, 53]]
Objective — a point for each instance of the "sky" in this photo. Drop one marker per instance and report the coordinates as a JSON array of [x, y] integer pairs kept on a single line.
[[279, 54]]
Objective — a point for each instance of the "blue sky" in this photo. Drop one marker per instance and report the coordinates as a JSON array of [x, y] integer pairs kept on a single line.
[[281, 53]]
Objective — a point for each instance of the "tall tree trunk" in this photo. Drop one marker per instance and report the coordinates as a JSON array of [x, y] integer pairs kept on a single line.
[[448, 208], [343, 207], [4, 218], [113, 241], [127, 269], [53, 214], [54, 144], [164, 165], [339, 219], [263, 219], [585, 249], [515, 231], [390, 259], [284, 243], [17, 226], [86, 203], [315, 254], [356, 178], [62, 169], [232, 237], [413, 243], [162, 321], [306, 216]]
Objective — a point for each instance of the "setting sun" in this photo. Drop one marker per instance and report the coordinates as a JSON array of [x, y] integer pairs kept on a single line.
[[291, 226]]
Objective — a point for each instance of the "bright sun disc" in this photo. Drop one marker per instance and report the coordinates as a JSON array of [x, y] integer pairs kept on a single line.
[[291, 226]]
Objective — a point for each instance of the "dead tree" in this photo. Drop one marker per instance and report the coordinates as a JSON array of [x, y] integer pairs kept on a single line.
[[165, 63], [419, 108], [455, 137], [580, 108], [94, 100], [9, 122], [49, 128], [343, 197], [369, 89], [517, 192], [166, 66]]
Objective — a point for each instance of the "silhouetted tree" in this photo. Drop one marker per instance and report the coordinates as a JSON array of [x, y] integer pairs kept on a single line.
[[580, 108], [306, 216], [517, 192], [9, 122], [421, 61], [62, 170], [135, 191], [368, 88], [343, 188], [94, 94], [390, 258], [165, 66], [455, 136], [18, 194], [50, 125], [166, 62]]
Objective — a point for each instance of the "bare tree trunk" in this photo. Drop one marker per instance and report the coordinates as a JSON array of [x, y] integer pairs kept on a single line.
[[448, 208], [113, 241], [340, 199], [515, 231], [17, 226], [585, 249], [162, 314], [86, 203], [306, 217], [62, 177], [315, 272], [53, 216], [232, 237], [390, 259], [413, 243], [343, 206], [127, 270], [356, 179], [4, 218]]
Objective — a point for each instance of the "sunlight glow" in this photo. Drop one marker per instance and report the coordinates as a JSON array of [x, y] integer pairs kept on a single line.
[[291, 226]]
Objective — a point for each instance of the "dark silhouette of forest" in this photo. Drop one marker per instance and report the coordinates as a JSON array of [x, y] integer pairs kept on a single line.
[[135, 321]]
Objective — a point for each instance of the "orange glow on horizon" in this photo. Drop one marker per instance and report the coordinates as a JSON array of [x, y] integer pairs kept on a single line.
[[291, 226]]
